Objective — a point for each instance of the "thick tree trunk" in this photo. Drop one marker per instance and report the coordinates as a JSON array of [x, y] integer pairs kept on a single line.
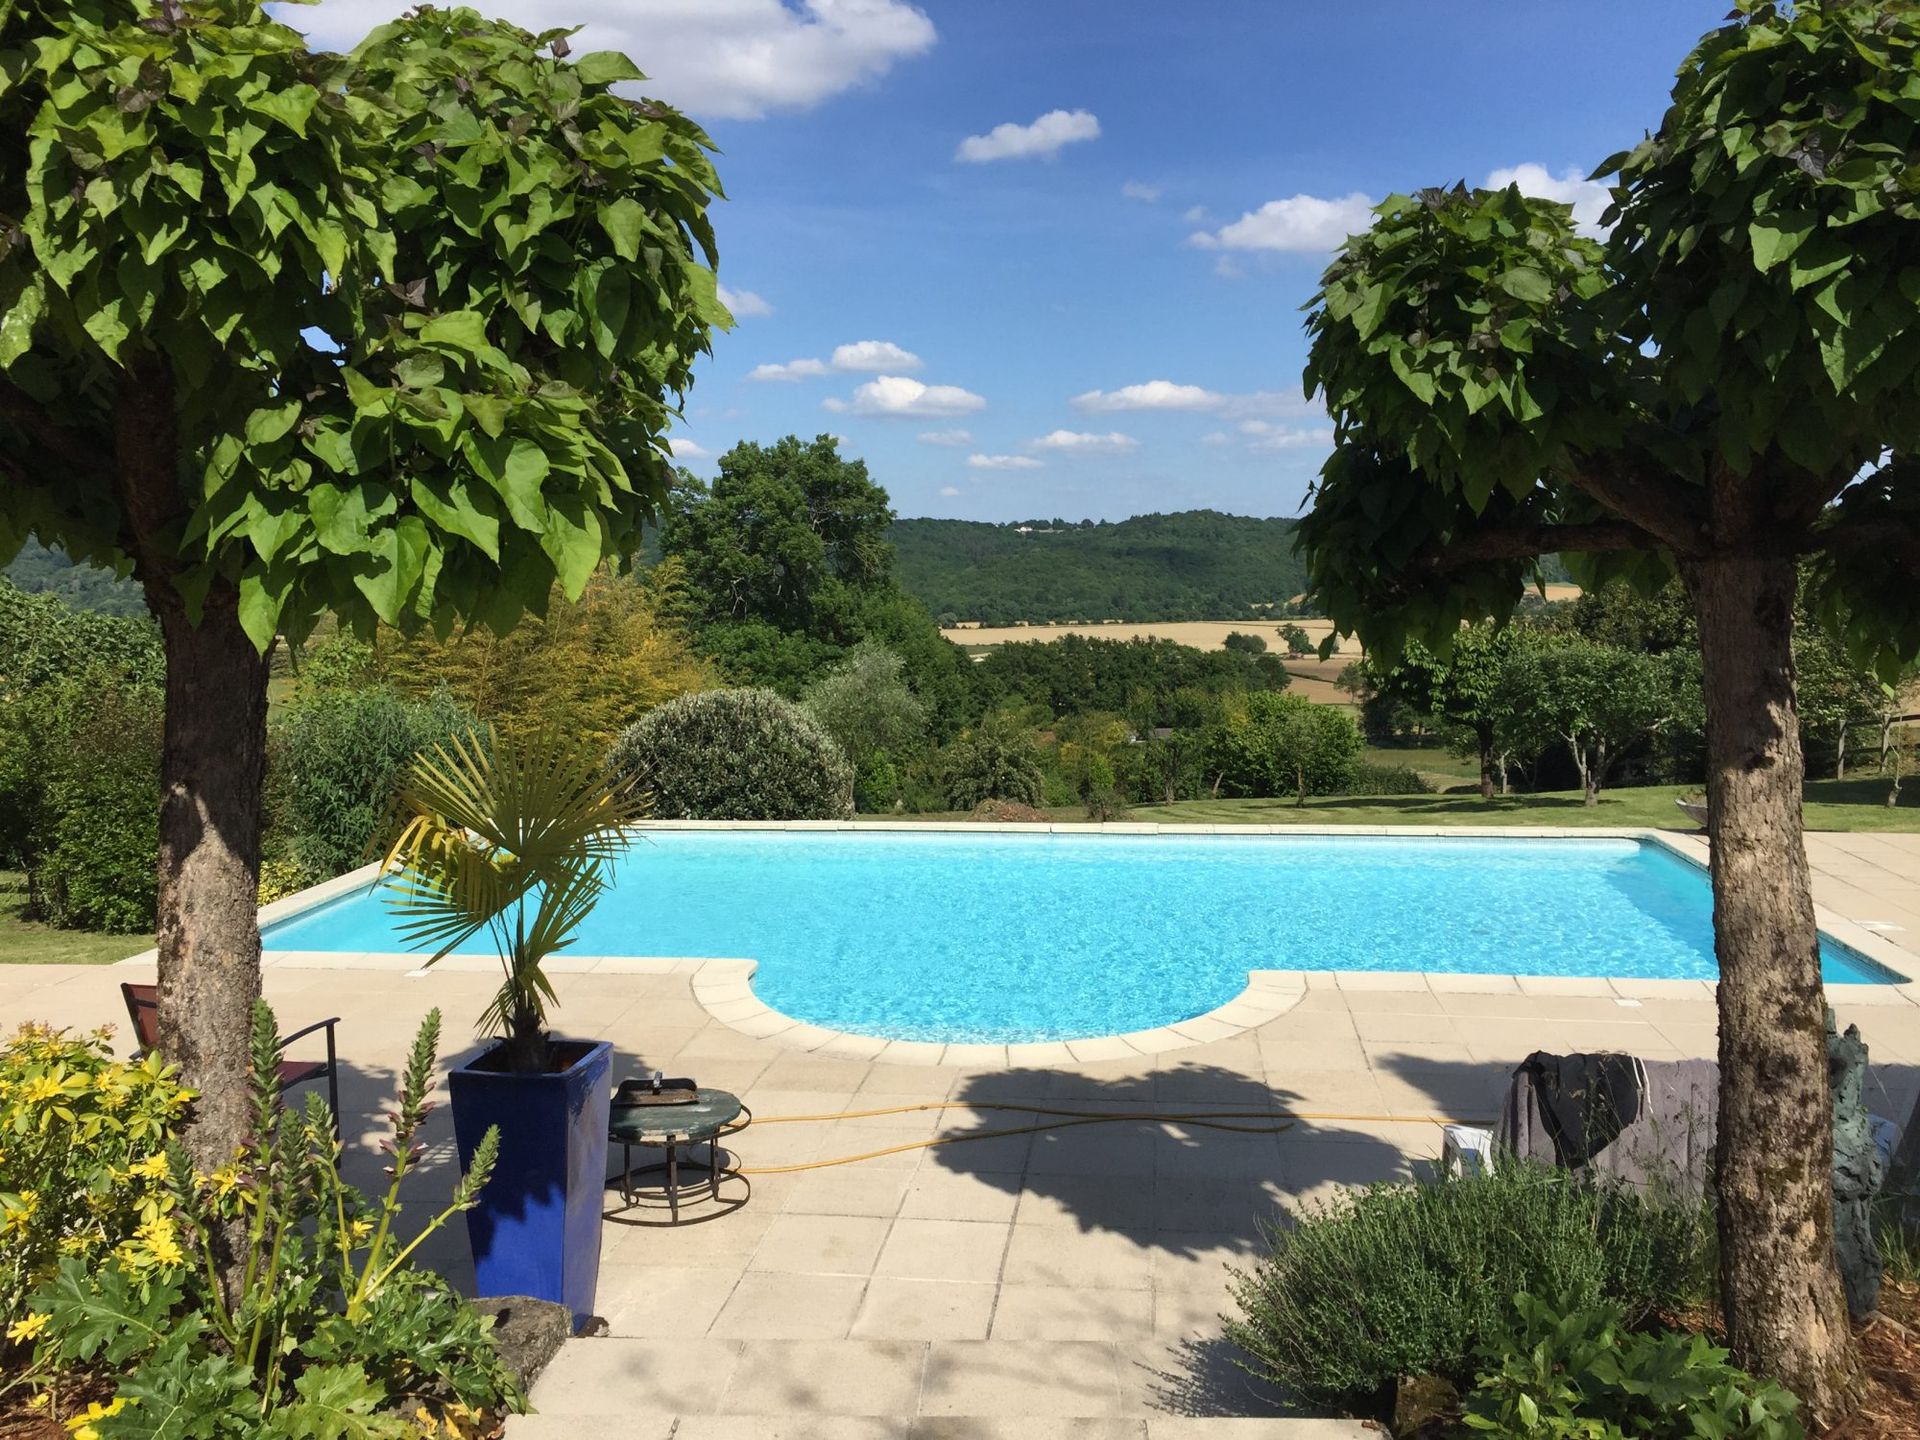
[[210, 774], [1786, 1314], [211, 766]]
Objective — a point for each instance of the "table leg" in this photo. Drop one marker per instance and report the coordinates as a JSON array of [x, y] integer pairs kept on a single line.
[[626, 1175], [673, 1183]]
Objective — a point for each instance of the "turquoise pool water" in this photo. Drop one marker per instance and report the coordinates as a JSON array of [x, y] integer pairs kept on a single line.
[[1007, 937]]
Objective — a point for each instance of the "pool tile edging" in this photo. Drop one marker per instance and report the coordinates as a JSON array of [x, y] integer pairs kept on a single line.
[[724, 989]]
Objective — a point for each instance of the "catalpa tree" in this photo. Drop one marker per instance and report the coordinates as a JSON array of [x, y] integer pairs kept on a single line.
[[395, 335], [1727, 385]]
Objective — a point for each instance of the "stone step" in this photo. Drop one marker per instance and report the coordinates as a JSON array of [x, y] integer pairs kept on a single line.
[[707, 1388], [880, 1427]]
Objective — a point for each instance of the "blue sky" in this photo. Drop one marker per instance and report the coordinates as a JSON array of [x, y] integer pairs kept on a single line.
[[1086, 227]]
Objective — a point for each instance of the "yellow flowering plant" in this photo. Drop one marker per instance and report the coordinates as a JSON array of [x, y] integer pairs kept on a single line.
[[83, 1137], [329, 1318]]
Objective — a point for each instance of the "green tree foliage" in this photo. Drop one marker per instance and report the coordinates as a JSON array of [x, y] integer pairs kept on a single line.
[[80, 722], [865, 705], [994, 761], [1244, 644], [734, 755], [1594, 699], [512, 267], [1274, 744], [1298, 642], [1460, 693], [43, 638], [590, 666], [784, 565], [1141, 678], [1194, 565], [1728, 381], [336, 760], [79, 785]]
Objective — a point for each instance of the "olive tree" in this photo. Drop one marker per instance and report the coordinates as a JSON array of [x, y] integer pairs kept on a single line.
[[1728, 384], [394, 335]]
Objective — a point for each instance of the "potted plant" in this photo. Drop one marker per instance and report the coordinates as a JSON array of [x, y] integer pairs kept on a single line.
[[515, 837]]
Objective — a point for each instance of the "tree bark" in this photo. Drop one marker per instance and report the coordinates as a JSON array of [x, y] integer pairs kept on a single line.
[[1785, 1311], [1485, 736], [212, 761], [211, 769]]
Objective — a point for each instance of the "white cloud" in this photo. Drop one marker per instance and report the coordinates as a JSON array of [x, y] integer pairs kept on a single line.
[[1198, 215], [1589, 198], [1002, 462], [1079, 442], [685, 449], [1140, 190], [1267, 436], [861, 355], [1043, 137], [1153, 395], [900, 395], [1228, 268], [1216, 438], [876, 355], [744, 304], [950, 438], [730, 59], [949, 490], [1299, 224], [792, 370]]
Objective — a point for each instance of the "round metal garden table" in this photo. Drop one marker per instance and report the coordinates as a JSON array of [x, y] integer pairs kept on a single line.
[[709, 1119]]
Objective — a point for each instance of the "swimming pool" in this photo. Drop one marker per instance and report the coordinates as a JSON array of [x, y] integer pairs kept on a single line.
[[1016, 937]]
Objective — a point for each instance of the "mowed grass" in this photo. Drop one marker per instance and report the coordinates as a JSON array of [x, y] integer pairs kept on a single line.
[[1830, 805], [28, 942]]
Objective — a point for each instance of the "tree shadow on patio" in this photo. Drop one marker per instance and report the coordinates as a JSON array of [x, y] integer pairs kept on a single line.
[[1189, 1197]]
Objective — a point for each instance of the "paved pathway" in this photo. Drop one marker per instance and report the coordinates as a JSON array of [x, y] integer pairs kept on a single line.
[[1072, 1276]]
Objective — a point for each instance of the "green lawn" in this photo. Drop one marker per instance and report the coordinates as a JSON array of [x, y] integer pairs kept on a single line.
[[1831, 805], [27, 942]]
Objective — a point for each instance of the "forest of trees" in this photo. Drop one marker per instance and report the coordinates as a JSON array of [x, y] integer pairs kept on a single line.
[[1195, 565]]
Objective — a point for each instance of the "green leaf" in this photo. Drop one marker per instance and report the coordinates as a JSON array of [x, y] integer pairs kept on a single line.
[[338, 1402], [23, 313], [267, 425], [1372, 310], [398, 556], [1526, 283], [606, 67], [1776, 238], [462, 329], [260, 607], [460, 509], [290, 107], [625, 222]]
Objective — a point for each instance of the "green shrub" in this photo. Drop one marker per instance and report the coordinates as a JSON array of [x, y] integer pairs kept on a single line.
[[80, 798], [735, 755], [335, 762], [989, 766], [1397, 1280], [1581, 1374], [81, 1162], [1272, 743], [333, 1333], [1370, 778], [44, 640]]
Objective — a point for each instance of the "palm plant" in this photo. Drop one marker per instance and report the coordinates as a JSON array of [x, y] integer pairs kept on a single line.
[[515, 836]]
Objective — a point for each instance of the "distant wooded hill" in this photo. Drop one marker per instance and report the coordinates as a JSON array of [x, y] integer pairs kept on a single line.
[[85, 587], [1194, 565]]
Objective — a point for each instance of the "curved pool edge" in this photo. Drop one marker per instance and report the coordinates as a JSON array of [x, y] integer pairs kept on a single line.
[[724, 989]]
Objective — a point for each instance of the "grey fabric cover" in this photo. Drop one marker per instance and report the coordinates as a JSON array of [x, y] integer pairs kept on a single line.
[[1669, 1148]]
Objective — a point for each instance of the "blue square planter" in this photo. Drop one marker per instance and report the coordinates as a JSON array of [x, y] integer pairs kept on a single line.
[[536, 1228]]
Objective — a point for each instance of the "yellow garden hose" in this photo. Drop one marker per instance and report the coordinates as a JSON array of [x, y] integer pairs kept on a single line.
[[1060, 1119]]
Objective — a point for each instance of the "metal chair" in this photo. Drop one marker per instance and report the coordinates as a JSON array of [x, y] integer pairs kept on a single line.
[[143, 1009]]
